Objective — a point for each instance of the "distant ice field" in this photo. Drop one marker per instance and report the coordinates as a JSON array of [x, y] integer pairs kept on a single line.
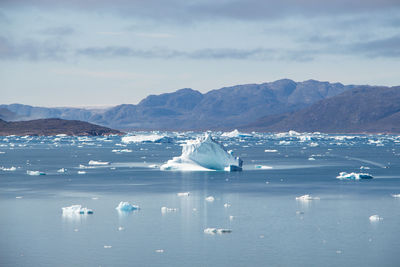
[[260, 216]]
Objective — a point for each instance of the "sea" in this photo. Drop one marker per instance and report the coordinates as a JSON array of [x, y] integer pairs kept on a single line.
[[265, 221]]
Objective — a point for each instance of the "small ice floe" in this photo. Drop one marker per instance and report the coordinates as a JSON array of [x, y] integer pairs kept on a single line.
[[284, 143], [270, 150], [35, 173], [121, 150], [183, 194], [375, 218], [11, 169], [364, 168], [107, 246], [152, 138], [121, 228], [298, 212], [94, 162], [210, 199], [126, 206], [62, 170], [311, 158], [213, 231], [313, 144], [227, 205], [353, 176], [159, 251], [19, 197], [263, 167], [307, 198], [166, 210], [396, 195], [235, 133], [155, 166], [231, 218], [81, 172], [76, 209]]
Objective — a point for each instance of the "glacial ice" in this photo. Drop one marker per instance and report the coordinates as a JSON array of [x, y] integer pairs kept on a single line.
[[270, 150], [375, 218], [235, 133], [11, 169], [210, 199], [76, 209], [213, 231], [396, 195], [62, 170], [94, 162], [183, 194], [263, 167], [353, 176], [152, 138], [126, 206], [166, 210], [35, 173], [306, 198], [203, 154]]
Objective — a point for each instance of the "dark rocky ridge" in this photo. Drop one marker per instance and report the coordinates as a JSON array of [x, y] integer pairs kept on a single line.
[[368, 109], [53, 127]]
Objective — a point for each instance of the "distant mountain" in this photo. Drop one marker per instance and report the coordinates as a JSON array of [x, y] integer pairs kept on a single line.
[[53, 127], [187, 109], [369, 109]]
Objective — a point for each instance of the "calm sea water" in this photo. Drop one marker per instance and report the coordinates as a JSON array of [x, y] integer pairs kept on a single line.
[[269, 226]]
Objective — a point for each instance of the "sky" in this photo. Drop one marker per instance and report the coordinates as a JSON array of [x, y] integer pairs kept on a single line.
[[101, 53]]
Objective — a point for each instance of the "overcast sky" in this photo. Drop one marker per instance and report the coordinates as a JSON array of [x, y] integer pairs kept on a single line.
[[95, 53]]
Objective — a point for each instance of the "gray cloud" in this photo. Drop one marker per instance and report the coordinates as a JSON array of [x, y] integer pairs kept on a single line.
[[31, 50], [58, 31], [385, 47], [183, 10]]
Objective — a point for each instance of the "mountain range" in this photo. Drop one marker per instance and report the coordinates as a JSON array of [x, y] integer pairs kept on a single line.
[[274, 106]]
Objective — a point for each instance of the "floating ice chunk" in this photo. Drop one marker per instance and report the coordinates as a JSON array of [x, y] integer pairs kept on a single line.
[[154, 166], [183, 194], [121, 228], [311, 158], [76, 209], [62, 170], [121, 150], [107, 246], [306, 198], [159, 251], [313, 144], [94, 162], [166, 210], [126, 206], [231, 218], [210, 198], [11, 169], [263, 167], [152, 138], [81, 172], [285, 143], [270, 150], [396, 195], [213, 231], [203, 154], [353, 176], [227, 205], [235, 133], [364, 168], [35, 173], [375, 218], [19, 197]]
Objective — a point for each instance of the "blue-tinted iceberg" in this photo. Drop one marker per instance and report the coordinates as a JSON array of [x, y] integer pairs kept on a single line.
[[353, 176], [126, 206], [204, 154]]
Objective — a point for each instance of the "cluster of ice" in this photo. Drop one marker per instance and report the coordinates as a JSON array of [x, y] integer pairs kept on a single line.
[[166, 210], [102, 163], [375, 218], [126, 206], [152, 138], [81, 172], [204, 154], [11, 169], [396, 195], [121, 150], [35, 173], [183, 194], [263, 167], [213, 231], [76, 209], [62, 170], [306, 198], [353, 176], [270, 150], [235, 133]]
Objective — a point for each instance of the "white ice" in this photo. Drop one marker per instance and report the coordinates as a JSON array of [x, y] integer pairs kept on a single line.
[[396, 195], [263, 167], [306, 198], [235, 133], [270, 150], [210, 199], [35, 173], [375, 218], [213, 231], [152, 138], [76, 209], [94, 162], [183, 194], [353, 176], [62, 170], [126, 206], [11, 169], [166, 210], [203, 154]]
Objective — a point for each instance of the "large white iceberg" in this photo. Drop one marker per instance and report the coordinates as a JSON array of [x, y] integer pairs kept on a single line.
[[203, 154], [76, 209], [152, 138], [353, 176], [235, 133]]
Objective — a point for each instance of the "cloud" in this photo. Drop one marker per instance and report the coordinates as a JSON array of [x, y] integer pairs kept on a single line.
[[58, 31], [384, 47], [31, 50]]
